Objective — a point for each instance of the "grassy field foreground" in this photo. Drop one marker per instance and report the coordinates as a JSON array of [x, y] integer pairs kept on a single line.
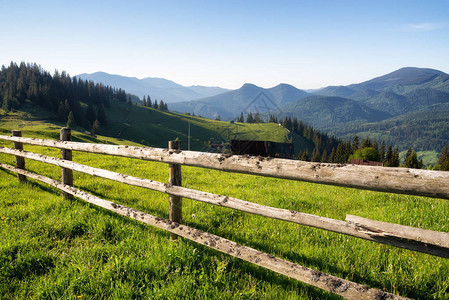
[[51, 248]]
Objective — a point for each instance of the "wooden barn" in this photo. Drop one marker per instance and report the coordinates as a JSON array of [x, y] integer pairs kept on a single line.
[[262, 148]]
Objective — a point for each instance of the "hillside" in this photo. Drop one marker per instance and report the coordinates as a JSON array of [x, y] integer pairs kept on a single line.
[[155, 128], [106, 111], [156, 88], [425, 129], [384, 108], [87, 104], [329, 112], [337, 108], [248, 98]]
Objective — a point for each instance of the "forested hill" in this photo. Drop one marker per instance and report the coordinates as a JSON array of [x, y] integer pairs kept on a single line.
[[31, 95], [60, 93], [27, 90]]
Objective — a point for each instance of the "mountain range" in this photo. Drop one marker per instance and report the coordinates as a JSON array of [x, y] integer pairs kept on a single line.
[[407, 107], [248, 98], [157, 88], [402, 104]]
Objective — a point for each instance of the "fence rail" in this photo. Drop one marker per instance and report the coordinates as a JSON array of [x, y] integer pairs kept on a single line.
[[427, 241], [395, 180]]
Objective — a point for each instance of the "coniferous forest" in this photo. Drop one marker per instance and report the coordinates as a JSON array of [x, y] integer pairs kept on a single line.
[[75, 101]]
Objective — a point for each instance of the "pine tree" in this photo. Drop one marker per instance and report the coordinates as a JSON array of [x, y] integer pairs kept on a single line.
[[382, 152], [375, 145], [395, 158], [409, 153], [67, 107], [257, 118], [443, 161], [77, 112], [316, 155], [71, 123], [324, 156], [96, 127], [304, 156], [249, 118], [101, 115], [62, 116], [144, 101], [388, 162], [91, 116], [149, 104], [332, 156], [6, 105], [355, 144], [366, 143], [411, 160], [241, 119]]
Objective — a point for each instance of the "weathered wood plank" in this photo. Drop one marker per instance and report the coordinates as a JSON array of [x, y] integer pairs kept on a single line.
[[373, 227], [396, 180], [175, 179], [20, 161], [245, 206], [67, 173], [345, 288]]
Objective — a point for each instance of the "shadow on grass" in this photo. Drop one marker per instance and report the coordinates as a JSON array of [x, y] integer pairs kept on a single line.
[[255, 271], [313, 263]]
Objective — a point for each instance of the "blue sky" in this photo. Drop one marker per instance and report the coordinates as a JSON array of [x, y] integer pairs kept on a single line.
[[309, 44]]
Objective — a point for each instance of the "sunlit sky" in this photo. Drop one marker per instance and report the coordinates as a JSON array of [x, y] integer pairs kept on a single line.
[[308, 44]]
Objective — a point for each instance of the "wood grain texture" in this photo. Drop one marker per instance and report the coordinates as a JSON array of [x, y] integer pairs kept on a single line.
[[20, 161], [377, 228], [175, 179], [395, 180], [67, 173]]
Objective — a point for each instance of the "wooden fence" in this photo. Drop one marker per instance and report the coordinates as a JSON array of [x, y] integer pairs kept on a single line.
[[396, 180]]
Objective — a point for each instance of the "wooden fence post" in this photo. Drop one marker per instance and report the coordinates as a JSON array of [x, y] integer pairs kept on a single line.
[[174, 178], [67, 174], [20, 161]]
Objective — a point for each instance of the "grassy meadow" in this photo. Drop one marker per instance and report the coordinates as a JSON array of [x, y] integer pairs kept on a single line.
[[52, 248]]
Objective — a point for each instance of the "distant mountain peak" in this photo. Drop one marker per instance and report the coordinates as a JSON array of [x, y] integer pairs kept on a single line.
[[403, 77], [416, 69], [157, 88], [246, 85]]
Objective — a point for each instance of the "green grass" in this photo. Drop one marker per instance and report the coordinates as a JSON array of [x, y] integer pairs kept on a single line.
[[52, 248], [152, 127]]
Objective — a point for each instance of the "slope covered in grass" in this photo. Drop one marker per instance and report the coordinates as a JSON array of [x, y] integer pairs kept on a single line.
[[153, 127], [52, 248]]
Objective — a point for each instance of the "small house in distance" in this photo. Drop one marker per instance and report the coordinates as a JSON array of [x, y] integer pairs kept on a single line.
[[262, 148], [362, 162]]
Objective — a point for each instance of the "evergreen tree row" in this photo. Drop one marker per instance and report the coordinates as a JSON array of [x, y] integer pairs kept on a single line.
[[146, 101], [250, 118], [58, 93]]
